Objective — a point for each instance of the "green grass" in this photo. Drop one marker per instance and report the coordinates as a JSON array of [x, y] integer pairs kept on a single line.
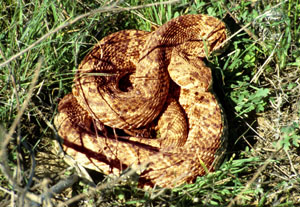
[[256, 80]]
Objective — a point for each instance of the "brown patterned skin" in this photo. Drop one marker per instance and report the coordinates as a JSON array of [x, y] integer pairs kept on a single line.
[[124, 83]]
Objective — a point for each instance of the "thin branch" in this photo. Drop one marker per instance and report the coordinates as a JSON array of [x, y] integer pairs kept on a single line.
[[70, 22], [8, 136], [258, 172], [247, 25]]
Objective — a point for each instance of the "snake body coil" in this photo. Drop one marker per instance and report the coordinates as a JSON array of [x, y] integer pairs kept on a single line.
[[134, 79]]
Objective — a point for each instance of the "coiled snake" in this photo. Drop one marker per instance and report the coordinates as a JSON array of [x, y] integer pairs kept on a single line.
[[136, 81]]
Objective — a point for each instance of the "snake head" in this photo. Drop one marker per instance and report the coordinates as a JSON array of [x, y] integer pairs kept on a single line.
[[214, 35], [206, 35], [221, 42]]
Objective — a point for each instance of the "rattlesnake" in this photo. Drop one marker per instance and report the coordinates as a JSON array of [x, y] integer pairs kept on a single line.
[[124, 83]]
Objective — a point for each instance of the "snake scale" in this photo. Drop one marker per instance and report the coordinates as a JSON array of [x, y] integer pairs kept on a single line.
[[134, 81]]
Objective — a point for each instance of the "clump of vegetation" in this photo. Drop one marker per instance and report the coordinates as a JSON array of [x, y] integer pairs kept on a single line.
[[256, 80]]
